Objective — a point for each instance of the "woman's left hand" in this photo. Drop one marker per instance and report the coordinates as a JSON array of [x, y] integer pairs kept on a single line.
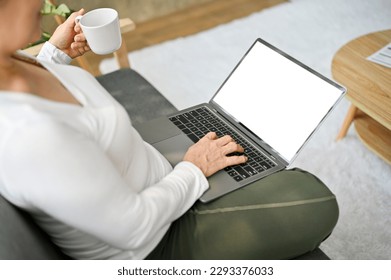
[[69, 37]]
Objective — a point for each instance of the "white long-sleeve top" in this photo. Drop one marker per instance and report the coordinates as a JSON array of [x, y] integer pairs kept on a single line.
[[85, 174]]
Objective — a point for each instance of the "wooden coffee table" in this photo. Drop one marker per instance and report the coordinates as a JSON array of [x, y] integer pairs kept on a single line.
[[369, 90]]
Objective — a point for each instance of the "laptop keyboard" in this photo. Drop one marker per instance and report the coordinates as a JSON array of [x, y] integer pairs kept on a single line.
[[198, 122]]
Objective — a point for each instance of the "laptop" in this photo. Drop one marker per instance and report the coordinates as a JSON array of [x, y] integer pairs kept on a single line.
[[270, 103]]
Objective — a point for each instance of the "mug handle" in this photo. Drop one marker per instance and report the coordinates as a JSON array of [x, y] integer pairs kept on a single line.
[[77, 19]]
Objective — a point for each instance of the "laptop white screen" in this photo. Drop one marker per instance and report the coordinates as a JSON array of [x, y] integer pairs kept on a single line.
[[277, 99]]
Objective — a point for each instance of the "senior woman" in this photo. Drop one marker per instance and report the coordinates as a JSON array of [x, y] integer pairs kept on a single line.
[[71, 158]]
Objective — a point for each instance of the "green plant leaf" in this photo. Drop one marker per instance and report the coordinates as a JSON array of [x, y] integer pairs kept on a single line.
[[47, 8], [50, 9], [63, 10]]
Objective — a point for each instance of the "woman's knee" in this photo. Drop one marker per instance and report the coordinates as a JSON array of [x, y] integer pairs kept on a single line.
[[315, 197], [287, 214]]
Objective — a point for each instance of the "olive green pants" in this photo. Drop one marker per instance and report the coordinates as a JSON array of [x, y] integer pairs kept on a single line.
[[281, 216]]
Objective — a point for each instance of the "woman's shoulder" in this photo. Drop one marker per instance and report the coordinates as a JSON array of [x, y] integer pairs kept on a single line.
[[20, 108], [22, 119]]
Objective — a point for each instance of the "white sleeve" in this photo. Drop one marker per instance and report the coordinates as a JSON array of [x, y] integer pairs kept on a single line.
[[51, 54], [69, 177]]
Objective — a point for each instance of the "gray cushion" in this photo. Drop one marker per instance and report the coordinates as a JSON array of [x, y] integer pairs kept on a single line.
[[21, 238], [140, 99]]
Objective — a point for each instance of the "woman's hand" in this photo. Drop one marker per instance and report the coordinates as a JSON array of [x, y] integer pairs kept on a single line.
[[210, 153], [69, 37]]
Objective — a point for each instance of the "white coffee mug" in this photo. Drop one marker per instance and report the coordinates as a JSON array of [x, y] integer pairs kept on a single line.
[[101, 29]]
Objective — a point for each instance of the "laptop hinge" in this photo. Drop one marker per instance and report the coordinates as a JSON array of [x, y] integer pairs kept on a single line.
[[249, 134]]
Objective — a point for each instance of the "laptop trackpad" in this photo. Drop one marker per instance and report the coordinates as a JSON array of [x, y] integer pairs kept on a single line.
[[157, 130], [174, 148]]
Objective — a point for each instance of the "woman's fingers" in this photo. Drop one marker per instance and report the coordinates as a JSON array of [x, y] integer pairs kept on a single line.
[[235, 160], [80, 38], [232, 147], [212, 154]]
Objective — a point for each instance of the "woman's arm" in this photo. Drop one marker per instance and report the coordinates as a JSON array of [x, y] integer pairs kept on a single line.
[[61, 172]]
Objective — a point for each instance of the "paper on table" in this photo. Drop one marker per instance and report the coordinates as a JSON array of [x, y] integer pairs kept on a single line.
[[383, 56]]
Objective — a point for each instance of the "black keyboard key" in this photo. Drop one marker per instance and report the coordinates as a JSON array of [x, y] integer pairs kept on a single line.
[[183, 119], [193, 137], [238, 178], [203, 129], [199, 133], [194, 114], [259, 169], [257, 159], [241, 172], [186, 131], [251, 171]]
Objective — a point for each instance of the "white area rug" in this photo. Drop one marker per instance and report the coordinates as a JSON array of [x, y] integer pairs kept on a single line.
[[189, 70]]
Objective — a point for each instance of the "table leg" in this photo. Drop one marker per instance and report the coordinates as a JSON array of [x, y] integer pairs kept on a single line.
[[121, 56], [347, 122]]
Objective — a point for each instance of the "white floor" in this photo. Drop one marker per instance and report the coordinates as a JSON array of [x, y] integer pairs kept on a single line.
[[189, 70]]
